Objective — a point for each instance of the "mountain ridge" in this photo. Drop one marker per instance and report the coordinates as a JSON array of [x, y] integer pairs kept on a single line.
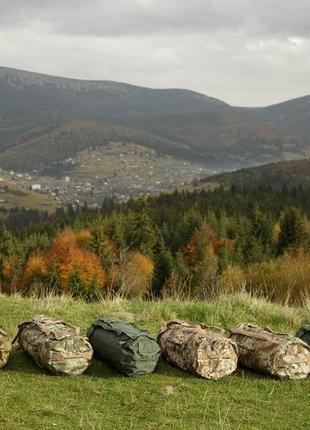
[[4, 70], [192, 125], [103, 83]]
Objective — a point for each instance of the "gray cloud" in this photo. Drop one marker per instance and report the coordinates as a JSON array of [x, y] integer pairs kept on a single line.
[[244, 51], [133, 17]]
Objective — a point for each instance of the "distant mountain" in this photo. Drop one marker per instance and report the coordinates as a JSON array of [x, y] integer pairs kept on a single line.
[[26, 94], [292, 116], [227, 139], [46, 119]]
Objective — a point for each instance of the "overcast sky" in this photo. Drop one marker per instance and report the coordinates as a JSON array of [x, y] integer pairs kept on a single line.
[[245, 52]]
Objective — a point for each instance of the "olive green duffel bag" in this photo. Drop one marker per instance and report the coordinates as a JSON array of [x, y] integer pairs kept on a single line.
[[131, 351], [304, 333]]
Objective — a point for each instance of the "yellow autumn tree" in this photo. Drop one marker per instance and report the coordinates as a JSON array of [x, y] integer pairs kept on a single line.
[[36, 269], [83, 238], [136, 274]]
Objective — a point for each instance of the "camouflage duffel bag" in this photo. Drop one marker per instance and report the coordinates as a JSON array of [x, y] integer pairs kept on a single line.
[[131, 351], [304, 333], [5, 348], [55, 345], [276, 354], [198, 349]]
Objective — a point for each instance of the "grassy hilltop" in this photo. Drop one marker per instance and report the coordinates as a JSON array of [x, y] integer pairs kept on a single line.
[[169, 398]]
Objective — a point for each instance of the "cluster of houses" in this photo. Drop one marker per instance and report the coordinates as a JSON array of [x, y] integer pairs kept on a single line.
[[120, 170]]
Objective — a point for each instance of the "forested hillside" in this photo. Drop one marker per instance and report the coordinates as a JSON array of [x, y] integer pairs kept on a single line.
[[46, 150], [196, 244], [287, 174], [226, 139], [292, 115]]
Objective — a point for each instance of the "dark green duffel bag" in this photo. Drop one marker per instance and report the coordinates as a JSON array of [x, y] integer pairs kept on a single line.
[[130, 350], [304, 333]]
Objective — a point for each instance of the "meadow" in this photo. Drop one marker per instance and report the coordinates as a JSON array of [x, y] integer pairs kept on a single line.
[[167, 399]]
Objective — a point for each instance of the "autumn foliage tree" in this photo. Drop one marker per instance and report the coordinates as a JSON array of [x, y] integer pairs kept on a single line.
[[36, 269], [136, 273], [71, 259], [11, 261], [200, 254]]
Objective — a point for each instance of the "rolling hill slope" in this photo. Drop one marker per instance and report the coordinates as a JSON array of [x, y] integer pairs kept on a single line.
[[292, 116], [228, 139], [48, 148]]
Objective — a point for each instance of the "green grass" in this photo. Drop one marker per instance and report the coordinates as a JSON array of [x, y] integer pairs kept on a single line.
[[168, 399], [16, 196]]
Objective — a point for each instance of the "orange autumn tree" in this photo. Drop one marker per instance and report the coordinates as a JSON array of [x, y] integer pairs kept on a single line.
[[78, 269], [36, 269], [76, 264]]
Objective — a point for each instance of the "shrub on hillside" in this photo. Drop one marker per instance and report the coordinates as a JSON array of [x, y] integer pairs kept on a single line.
[[177, 287], [232, 280], [283, 280], [83, 238]]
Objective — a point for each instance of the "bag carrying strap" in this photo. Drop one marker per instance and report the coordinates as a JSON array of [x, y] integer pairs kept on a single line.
[[119, 328], [3, 332], [246, 330], [171, 323], [43, 327]]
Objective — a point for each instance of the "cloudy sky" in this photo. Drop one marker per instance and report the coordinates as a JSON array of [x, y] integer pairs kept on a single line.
[[246, 52]]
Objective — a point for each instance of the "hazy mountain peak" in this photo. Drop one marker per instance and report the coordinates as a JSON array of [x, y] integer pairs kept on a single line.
[[23, 92], [21, 79]]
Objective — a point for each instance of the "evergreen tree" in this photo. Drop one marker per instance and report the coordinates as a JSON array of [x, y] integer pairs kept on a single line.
[[164, 266], [293, 233], [253, 251], [262, 230], [70, 212], [191, 221], [224, 258], [12, 258], [142, 231], [77, 286], [180, 266], [99, 244]]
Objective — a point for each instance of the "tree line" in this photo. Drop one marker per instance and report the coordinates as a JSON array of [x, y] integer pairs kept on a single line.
[[197, 243]]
